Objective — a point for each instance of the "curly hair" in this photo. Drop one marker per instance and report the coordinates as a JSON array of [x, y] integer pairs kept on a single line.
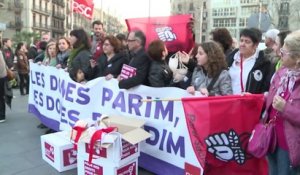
[[222, 36], [114, 42], [216, 61]]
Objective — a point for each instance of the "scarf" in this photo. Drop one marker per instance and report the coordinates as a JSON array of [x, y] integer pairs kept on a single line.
[[74, 53], [287, 81]]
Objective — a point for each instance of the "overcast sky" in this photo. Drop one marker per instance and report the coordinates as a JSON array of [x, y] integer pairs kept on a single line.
[[135, 8]]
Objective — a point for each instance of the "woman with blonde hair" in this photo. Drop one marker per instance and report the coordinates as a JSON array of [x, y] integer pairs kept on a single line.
[[283, 106], [210, 77], [51, 53]]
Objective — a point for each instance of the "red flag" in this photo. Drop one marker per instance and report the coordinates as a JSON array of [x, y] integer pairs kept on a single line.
[[173, 30], [220, 128], [84, 7]]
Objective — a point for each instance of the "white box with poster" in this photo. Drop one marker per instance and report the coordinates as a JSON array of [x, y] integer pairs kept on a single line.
[[57, 150]]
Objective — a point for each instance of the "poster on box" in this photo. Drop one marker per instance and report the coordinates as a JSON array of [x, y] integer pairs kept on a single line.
[[69, 156], [49, 151], [59, 102]]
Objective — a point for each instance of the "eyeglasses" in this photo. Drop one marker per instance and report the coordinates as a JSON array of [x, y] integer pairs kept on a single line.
[[283, 52], [106, 44], [131, 40]]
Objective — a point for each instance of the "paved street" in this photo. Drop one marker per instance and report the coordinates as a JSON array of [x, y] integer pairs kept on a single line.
[[20, 143]]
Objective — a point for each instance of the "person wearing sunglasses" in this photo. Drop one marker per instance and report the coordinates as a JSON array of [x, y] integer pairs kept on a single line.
[[283, 106]]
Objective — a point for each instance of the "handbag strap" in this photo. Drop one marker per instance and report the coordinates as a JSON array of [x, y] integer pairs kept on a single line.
[[213, 81]]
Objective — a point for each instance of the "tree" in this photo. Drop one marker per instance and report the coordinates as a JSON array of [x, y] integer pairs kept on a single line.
[[25, 36]]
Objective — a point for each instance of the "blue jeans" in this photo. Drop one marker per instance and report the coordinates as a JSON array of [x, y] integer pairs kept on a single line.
[[279, 163]]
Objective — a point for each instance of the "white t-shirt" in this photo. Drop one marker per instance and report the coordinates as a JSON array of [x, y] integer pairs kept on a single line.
[[235, 71]]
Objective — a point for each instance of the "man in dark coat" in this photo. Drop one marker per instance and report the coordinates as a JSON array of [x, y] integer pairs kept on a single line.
[[140, 60]]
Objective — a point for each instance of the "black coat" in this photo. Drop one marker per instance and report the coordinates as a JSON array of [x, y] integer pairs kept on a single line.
[[160, 75], [80, 61], [8, 57], [32, 53], [141, 62], [113, 66], [261, 66]]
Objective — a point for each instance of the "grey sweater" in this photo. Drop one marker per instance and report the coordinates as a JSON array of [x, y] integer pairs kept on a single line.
[[2, 66], [221, 87]]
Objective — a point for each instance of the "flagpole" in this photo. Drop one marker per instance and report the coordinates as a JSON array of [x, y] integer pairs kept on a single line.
[[163, 99], [72, 14], [149, 8]]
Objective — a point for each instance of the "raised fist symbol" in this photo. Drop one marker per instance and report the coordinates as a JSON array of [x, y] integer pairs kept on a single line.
[[226, 147], [166, 34], [219, 146]]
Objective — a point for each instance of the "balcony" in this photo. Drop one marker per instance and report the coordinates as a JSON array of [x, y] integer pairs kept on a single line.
[[16, 7], [41, 26], [59, 2], [18, 25], [58, 29], [1, 3], [59, 15], [41, 10]]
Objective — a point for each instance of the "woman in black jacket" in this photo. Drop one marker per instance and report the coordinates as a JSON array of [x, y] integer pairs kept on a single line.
[[160, 75], [110, 62], [80, 55], [249, 70]]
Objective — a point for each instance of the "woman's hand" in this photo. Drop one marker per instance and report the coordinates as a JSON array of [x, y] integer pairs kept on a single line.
[[109, 76], [191, 90], [184, 57], [93, 63], [204, 91], [278, 103], [58, 66]]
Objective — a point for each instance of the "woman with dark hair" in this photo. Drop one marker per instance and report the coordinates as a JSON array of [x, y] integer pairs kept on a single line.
[[249, 70], [22, 67], [80, 55], [160, 75], [210, 77], [223, 37], [110, 62]]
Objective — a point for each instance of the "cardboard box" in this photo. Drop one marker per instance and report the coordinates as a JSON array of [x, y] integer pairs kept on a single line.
[[100, 168], [109, 149], [58, 151], [109, 154]]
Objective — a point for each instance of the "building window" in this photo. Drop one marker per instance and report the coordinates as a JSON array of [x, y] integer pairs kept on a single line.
[[46, 20], [191, 6], [179, 6], [41, 20], [232, 11], [33, 19], [215, 12], [226, 11]]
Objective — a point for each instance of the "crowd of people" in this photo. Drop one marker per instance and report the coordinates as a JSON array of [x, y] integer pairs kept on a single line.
[[213, 68]]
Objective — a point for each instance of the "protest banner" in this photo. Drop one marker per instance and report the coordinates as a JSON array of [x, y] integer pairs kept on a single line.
[[183, 132], [59, 102]]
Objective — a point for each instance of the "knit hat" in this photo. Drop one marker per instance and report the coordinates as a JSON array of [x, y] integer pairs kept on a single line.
[[272, 33]]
